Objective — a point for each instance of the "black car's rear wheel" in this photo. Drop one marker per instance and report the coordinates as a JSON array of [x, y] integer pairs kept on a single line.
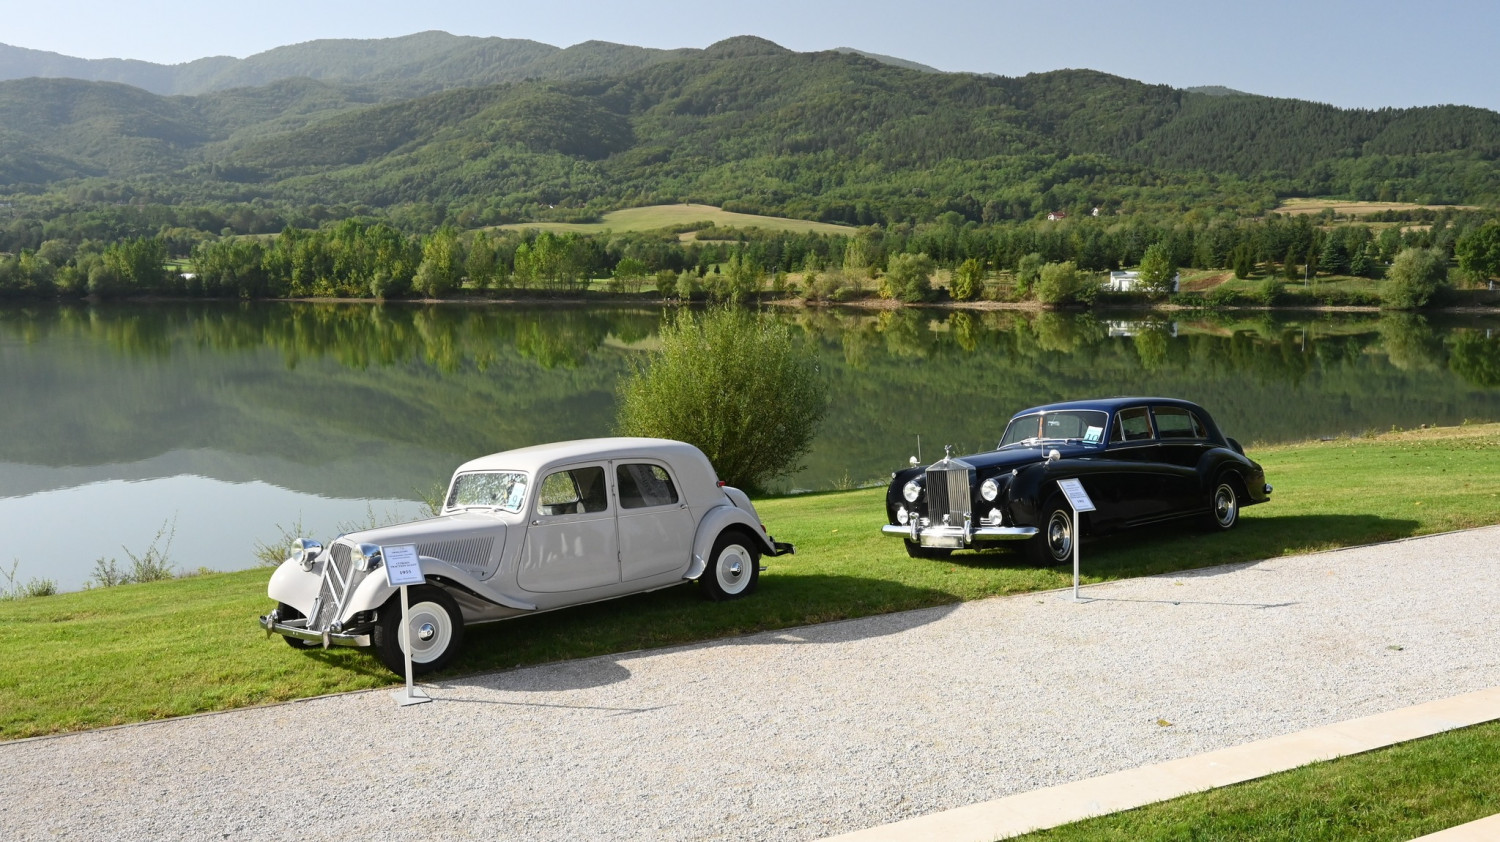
[[1223, 505], [1054, 543], [437, 631]]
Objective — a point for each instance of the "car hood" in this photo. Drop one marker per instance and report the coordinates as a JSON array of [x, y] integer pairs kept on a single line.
[[433, 530]]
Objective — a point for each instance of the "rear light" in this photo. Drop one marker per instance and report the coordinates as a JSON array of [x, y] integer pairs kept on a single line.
[[722, 483], [763, 529]]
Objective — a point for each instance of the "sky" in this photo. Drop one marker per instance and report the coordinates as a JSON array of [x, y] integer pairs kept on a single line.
[[1365, 54]]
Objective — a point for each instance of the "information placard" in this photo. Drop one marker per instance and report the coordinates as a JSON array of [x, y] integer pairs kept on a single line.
[[1076, 495], [402, 566]]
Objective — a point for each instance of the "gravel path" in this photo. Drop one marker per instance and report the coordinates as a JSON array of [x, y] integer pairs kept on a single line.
[[803, 733]]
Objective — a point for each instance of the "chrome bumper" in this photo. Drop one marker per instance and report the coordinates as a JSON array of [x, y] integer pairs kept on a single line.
[[272, 625], [956, 537]]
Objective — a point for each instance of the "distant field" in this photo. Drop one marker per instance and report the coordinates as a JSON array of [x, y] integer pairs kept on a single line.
[[657, 217], [1299, 206]]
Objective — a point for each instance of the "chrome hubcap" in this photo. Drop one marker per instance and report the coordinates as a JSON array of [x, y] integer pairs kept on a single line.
[[426, 632], [1060, 536], [1225, 505]]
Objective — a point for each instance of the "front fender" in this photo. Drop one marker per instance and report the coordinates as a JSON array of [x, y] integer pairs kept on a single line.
[[374, 590], [294, 586], [713, 525]]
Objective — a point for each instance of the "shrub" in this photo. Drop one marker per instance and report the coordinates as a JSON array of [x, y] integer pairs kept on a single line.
[[908, 278], [968, 280], [1028, 272], [1414, 276], [733, 384], [1061, 285]]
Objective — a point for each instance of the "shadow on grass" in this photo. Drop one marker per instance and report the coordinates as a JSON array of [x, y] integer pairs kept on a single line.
[[625, 628]]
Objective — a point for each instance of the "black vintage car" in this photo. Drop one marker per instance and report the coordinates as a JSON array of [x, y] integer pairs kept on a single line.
[[1141, 461]]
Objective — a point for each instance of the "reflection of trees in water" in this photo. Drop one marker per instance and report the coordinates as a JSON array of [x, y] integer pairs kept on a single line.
[[1475, 356], [143, 379], [1410, 343]]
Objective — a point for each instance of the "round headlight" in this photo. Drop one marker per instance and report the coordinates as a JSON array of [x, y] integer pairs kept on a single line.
[[902, 515], [912, 491], [989, 490], [996, 519]]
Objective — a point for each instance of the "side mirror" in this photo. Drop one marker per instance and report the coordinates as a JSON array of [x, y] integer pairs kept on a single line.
[[1053, 456], [913, 461]]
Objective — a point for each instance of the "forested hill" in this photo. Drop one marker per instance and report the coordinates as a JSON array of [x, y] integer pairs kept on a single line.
[[412, 64], [743, 124]]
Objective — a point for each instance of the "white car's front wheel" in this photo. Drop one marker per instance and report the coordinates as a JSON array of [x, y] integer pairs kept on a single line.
[[733, 567], [436, 626]]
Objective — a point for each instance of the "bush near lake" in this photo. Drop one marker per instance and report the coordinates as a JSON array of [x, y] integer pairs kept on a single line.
[[734, 384]]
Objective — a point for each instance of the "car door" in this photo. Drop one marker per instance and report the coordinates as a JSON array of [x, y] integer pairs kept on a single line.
[[1142, 475], [655, 525], [1183, 441], [571, 542]]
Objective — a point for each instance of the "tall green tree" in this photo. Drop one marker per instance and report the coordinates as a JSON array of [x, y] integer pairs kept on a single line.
[[908, 278], [968, 279], [1157, 271], [1478, 252]]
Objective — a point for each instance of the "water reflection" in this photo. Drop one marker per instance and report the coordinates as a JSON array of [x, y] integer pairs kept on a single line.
[[353, 402]]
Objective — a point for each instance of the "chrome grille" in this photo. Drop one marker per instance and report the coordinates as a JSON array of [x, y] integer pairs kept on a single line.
[[339, 580], [471, 554], [948, 492]]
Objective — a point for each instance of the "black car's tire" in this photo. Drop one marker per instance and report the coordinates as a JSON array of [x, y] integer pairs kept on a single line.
[[437, 631], [1223, 505], [733, 567], [919, 551], [1053, 544], [287, 612]]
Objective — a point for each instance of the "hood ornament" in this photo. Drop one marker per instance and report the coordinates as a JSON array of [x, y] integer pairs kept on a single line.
[[947, 452]]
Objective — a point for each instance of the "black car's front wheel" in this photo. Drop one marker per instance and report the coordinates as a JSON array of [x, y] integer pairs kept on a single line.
[[436, 626], [1053, 544], [1223, 506]]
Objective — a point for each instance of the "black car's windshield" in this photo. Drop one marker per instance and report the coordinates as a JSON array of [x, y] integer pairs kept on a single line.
[[1081, 425]]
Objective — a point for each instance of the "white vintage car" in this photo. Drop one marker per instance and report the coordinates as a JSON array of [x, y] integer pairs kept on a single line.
[[525, 531]]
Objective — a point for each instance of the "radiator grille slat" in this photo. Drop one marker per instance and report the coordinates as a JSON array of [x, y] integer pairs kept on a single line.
[[948, 493], [471, 554]]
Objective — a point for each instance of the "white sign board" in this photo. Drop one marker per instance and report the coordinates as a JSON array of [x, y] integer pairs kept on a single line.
[[1076, 495], [402, 566]]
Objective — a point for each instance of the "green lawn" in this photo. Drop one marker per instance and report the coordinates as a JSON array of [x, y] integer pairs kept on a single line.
[[657, 217], [136, 652], [1397, 793]]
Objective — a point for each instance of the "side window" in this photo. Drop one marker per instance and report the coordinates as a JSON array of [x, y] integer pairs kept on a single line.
[[574, 492], [643, 486], [1174, 423], [1133, 424]]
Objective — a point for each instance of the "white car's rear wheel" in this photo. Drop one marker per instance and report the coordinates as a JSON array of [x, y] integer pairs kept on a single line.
[[436, 625], [733, 567]]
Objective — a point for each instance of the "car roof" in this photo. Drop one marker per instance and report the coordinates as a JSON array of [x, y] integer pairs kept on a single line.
[[1111, 405], [541, 456]]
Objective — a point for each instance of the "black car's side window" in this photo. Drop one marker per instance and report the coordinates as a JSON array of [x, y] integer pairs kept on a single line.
[[642, 486], [1132, 424], [1175, 423]]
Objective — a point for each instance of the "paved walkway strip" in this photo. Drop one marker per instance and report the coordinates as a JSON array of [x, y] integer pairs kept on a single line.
[[1058, 805]]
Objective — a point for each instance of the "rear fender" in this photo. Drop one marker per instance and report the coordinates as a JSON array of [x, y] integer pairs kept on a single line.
[[713, 525]]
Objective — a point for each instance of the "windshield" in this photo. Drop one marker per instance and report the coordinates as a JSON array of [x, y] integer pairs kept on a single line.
[[1081, 425], [492, 489]]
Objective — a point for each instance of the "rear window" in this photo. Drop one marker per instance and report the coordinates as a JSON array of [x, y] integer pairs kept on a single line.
[[1177, 423]]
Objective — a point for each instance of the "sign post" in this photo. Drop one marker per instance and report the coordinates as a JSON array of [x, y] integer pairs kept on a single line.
[[403, 567], [1079, 500]]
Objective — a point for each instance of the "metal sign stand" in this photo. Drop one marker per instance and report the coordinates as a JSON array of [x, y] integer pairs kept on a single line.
[[1079, 500], [402, 567]]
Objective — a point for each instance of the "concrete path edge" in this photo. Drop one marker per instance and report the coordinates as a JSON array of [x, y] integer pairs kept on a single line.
[[1066, 803]]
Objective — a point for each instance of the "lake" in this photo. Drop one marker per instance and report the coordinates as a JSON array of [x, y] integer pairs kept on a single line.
[[221, 426]]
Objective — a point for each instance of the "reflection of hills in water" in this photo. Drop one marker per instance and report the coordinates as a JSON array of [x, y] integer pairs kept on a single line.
[[370, 401]]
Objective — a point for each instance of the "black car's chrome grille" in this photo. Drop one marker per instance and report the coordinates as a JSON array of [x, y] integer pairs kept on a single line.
[[948, 493]]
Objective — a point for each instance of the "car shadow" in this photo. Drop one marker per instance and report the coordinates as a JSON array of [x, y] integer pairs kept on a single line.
[[811, 609], [1183, 545]]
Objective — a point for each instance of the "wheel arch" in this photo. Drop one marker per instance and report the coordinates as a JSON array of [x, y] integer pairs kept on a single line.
[[715, 523]]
